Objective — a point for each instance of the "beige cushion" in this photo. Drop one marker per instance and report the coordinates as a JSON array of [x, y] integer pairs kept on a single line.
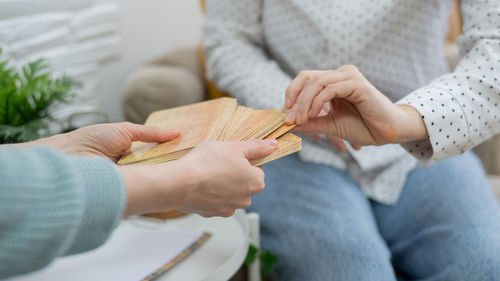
[[495, 184], [156, 87]]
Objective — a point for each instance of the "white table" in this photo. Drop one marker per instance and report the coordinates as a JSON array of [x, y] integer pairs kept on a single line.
[[220, 257]]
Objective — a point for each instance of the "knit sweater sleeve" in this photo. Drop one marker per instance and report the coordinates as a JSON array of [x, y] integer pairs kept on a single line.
[[237, 61], [52, 204]]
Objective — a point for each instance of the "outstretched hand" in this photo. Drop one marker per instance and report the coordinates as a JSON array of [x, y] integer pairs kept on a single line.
[[214, 179], [106, 140], [359, 113]]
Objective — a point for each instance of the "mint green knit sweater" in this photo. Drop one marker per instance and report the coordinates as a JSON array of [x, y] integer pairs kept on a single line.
[[52, 205]]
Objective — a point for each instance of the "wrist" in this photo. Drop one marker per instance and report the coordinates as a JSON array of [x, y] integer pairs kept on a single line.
[[137, 198], [154, 188], [411, 125], [63, 142]]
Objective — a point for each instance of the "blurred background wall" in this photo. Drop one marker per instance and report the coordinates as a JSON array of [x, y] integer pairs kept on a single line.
[[148, 28], [98, 42]]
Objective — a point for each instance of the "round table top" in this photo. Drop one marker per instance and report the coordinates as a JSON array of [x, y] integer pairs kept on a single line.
[[220, 257]]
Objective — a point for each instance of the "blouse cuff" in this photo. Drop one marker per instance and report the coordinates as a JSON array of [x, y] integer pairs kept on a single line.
[[445, 121]]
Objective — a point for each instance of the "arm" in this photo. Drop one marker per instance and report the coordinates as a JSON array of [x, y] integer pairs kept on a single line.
[[469, 97], [53, 204], [106, 140], [236, 60], [451, 115], [212, 180]]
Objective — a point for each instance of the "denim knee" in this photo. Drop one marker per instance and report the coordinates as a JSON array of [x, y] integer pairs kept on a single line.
[[480, 257]]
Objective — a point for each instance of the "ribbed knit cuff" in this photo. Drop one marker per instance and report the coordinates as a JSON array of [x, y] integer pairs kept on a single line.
[[105, 199]]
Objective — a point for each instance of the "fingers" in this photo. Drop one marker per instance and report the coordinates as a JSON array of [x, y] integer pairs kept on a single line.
[[316, 137], [255, 149], [149, 134], [258, 183], [319, 125], [305, 87], [341, 90], [311, 91], [295, 87], [338, 143], [356, 147]]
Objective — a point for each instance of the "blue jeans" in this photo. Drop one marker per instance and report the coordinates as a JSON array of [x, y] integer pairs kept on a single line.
[[445, 226]]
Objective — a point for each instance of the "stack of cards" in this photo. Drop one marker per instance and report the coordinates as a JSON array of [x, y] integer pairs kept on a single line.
[[217, 120]]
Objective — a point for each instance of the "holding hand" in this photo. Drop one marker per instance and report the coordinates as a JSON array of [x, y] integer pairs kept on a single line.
[[214, 179], [106, 140], [359, 112]]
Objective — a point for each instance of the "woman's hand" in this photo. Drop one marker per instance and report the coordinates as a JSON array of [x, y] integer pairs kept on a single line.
[[106, 140], [214, 179], [359, 112], [337, 143]]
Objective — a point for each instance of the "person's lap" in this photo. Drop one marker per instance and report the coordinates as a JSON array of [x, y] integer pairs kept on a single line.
[[319, 224], [446, 224], [322, 227]]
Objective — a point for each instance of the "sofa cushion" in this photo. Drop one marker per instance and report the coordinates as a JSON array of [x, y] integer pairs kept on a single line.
[[495, 184]]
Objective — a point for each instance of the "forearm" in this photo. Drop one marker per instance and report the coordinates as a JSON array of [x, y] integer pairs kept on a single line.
[[61, 142], [52, 205]]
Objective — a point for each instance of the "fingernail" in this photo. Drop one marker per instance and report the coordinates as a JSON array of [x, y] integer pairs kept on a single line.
[[290, 118], [287, 102], [272, 142]]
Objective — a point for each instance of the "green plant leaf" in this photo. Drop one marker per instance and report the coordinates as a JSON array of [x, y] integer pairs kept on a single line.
[[27, 99], [252, 254], [268, 260]]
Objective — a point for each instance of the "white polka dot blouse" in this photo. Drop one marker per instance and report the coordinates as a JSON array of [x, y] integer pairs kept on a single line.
[[255, 47]]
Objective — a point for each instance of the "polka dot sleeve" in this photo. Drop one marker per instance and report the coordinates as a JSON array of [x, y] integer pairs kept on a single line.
[[236, 60], [461, 109]]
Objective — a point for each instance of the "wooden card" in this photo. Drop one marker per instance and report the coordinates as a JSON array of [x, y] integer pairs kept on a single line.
[[197, 123], [258, 123]]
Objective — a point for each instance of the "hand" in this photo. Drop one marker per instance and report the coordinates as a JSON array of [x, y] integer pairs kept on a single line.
[[214, 179], [107, 140], [359, 112], [337, 143]]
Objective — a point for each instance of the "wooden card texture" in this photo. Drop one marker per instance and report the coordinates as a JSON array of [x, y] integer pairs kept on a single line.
[[197, 123], [240, 116], [257, 122], [283, 129]]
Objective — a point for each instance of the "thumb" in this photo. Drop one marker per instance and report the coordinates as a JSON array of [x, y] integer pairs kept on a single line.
[[255, 149], [319, 125], [150, 134]]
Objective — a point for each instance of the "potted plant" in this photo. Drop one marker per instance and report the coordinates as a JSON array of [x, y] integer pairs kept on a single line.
[[27, 100]]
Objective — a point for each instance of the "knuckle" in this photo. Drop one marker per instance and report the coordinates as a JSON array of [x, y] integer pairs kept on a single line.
[[329, 89], [307, 74], [350, 68], [126, 125], [303, 73], [260, 184]]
